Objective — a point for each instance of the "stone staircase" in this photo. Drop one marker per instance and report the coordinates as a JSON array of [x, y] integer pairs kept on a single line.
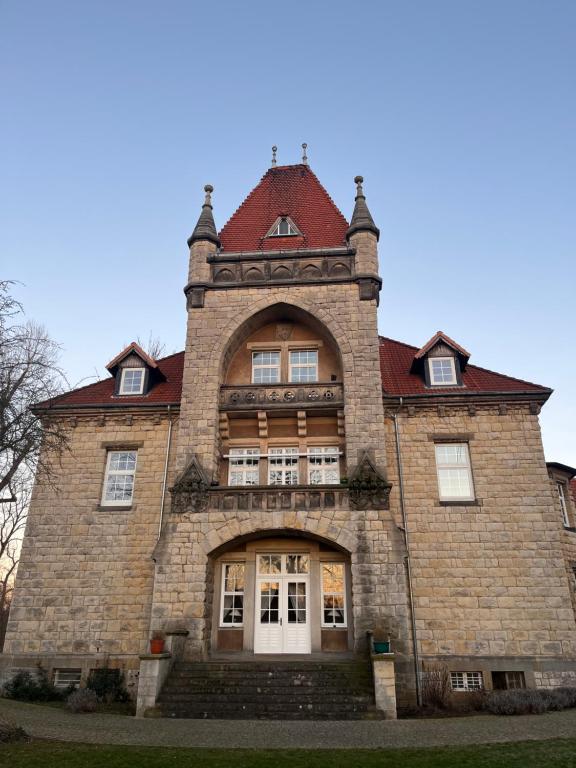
[[270, 690]]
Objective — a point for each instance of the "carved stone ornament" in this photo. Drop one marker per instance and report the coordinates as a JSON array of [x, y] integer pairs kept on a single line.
[[368, 488], [284, 331], [190, 491]]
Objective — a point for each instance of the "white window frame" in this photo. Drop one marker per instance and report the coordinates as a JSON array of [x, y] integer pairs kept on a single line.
[[332, 625], [453, 380], [281, 454], [440, 467], [291, 366], [323, 452], [464, 682], [224, 593], [561, 487], [240, 455], [266, 366], [123, 390], [118, 472], [74, 677], [292, 228]]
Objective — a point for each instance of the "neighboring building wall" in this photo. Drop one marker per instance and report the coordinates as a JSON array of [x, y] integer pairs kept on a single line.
[[489, 578], [568, 538], [86, 572]]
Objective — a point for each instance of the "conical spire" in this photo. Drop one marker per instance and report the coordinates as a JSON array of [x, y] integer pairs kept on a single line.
[[362, 220], [205, 229]]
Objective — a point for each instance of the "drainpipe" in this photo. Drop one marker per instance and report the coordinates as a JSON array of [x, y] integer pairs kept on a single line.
[[407, 558], [164, 479]]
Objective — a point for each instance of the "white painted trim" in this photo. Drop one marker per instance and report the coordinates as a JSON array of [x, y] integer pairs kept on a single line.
[[267, 366], [466, 467], [118, 502], [233, 624], [314, 366], [123, 376], [272, 233], [324, 624], [561, 487], [453, 382]]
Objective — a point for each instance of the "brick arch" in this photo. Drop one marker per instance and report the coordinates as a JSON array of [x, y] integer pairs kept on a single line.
[[266, 523], [241, 326]]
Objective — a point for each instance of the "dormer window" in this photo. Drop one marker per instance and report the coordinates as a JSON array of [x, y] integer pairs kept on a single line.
[[442, 371], [132, 381], [283, 227]]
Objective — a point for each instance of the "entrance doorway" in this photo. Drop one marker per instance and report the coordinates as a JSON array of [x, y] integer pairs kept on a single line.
[[282, 615]]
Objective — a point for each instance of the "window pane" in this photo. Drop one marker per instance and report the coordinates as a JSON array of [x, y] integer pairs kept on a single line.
[[454, 482]]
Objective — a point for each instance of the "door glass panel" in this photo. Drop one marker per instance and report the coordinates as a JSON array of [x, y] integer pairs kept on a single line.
[[269, 564], [296, 602], [269, 591], [297, 563]]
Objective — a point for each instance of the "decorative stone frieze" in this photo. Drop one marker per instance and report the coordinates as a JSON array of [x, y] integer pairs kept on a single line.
[[250, 396], [368, 487], [190, 491]]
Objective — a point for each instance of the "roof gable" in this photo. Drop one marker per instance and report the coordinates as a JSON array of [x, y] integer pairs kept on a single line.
[[293, 191], [438, 338], [131, 349]]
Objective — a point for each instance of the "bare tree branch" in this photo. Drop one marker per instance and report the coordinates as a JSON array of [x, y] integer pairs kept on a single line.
[[29, 374]]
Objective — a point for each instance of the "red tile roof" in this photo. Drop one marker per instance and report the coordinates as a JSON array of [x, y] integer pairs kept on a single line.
[[395, 368], [166, 392], [286, 190]]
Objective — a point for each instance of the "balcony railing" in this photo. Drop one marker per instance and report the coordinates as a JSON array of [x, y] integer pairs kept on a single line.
[[258, 397], [268, 497]]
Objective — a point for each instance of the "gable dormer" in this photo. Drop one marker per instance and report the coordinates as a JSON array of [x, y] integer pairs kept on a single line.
[[135, 372], [283, 227], [441, 361]]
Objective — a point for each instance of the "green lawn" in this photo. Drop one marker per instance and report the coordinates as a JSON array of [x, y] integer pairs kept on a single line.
[[560, 753]]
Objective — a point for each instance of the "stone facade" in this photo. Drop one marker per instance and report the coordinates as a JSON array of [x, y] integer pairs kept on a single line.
[[486, 584]]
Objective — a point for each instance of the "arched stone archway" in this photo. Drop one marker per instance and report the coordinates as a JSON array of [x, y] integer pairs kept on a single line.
[[264, 310], [279, 590]]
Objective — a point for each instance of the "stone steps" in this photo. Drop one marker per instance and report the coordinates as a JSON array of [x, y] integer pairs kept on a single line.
[[269, 690]]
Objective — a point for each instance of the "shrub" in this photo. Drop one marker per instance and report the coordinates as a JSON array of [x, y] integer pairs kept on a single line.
[[530, 701], [436, 686], [82, 700], [10, 733], [25, 687], [107, 684]]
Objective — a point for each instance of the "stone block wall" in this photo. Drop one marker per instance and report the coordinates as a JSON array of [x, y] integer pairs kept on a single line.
[[351, 322], [86, 573], [489, 578]]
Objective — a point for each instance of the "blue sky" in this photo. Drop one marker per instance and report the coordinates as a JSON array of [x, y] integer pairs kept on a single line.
[[461, 115]]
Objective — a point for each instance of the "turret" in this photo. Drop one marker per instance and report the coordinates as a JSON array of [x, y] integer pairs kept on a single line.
[[203, 241], [363, 235]]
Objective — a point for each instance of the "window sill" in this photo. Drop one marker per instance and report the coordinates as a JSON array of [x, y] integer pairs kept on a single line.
[[460, 503], [115, 507], [570, 529]]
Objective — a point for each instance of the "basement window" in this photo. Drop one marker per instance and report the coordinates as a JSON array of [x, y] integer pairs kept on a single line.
[[507, 681], [66, 678], [466, 681]]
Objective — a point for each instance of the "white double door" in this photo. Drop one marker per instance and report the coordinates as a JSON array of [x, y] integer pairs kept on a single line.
[[282, 615]]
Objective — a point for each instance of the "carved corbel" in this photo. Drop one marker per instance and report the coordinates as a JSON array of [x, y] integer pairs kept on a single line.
[[368, 487], [190, 491]]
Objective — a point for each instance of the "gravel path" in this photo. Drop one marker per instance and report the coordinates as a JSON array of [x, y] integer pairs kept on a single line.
[[49, 723]]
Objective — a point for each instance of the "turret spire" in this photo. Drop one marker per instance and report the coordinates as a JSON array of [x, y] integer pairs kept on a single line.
[[205, 228], [362, 220]]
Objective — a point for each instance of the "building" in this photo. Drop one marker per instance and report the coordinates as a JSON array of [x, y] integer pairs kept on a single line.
[[293, 482]]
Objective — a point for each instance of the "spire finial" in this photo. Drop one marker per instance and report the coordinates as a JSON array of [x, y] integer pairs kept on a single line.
[[304, 155], [208, 189], [274, 150], [358, 181]]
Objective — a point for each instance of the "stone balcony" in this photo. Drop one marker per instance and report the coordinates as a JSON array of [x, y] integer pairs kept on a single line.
[[266, 497], [257, 397]]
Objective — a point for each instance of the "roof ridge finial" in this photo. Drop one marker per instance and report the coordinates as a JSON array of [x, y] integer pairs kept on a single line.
[[304, 155], [274, 150], [358, 180], [208, 188]]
